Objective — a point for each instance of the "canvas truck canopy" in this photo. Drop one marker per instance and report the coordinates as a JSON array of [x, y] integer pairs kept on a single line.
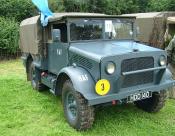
[[145, 22], [30, 35], [152, 27]]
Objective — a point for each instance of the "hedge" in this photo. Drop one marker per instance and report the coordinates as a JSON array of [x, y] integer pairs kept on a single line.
[[9, 35]]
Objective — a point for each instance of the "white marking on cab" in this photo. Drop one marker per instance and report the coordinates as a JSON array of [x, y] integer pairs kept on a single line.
[[59, 51], [82, 78], [108, 26]]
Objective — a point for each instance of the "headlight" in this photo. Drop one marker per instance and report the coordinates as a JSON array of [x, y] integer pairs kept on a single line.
[[110, 68], [162, 61]]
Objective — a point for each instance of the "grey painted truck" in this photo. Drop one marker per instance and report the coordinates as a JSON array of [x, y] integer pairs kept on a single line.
[[93, 59]]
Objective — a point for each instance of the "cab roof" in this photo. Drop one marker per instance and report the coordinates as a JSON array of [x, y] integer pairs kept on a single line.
[[60, 16]]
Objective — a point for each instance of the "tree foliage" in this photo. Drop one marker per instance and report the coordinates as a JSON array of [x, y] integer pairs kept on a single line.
[[9, 34], [101, 6], [76, 5], [17, 9], [56, 5], [161, 5], [22, 9]]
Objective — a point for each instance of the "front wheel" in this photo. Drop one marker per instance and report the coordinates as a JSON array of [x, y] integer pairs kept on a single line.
[[77, 112], [153, 104]]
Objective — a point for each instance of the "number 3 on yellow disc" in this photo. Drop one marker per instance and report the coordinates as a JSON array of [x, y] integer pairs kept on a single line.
[[102, 87]]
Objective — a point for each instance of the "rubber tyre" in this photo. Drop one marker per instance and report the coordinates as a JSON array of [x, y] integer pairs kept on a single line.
[[85, 114], [36, 85], [153, 104]]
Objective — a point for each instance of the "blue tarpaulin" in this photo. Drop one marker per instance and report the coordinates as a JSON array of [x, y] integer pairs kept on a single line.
[[46, 13]]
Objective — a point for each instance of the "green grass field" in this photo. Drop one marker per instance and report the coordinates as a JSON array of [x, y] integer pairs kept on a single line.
[[25, 112]]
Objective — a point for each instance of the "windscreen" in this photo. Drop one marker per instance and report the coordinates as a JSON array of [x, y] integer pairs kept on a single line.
[[91, 29]]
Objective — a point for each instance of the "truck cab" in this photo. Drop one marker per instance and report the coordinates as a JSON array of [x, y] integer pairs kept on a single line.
[[93, 59]]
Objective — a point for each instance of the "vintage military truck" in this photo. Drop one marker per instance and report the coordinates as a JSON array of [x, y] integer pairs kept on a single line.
[[92, 59]]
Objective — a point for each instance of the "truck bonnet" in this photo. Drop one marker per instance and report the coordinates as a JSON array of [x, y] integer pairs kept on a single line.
[[98, 50]]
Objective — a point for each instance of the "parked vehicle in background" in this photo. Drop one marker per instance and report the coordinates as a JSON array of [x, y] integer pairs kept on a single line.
[[93, 59], [155, 28]]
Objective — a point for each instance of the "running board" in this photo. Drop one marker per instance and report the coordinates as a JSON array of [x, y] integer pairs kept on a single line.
[[49, 81]]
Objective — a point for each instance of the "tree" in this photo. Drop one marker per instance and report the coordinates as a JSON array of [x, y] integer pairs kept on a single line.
[[143, 4], [161, 5], [102, 6], [76, 5], [56, 5], [17, 9], [9, 35], [22, 9]]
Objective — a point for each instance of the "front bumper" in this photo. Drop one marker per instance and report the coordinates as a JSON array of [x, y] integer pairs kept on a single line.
[[124, 93]]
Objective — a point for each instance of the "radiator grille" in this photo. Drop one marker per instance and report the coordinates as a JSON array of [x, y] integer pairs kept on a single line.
[[81, 61], [137, 64]]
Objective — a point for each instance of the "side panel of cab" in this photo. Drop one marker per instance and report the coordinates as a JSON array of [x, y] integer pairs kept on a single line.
[[57, 56]]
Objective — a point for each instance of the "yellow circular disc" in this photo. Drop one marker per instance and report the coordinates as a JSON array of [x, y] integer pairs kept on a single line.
[[102, 87]]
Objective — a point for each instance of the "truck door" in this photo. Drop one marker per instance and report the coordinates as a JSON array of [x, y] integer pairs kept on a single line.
[[58, 49]]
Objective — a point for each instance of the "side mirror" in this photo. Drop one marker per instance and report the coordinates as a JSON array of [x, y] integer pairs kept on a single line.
[[56, 35]]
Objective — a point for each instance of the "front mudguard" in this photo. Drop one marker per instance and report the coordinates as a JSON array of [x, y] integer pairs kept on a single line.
[[81, 80]]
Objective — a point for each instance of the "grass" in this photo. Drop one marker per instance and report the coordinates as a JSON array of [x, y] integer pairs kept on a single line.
[[25, 112]]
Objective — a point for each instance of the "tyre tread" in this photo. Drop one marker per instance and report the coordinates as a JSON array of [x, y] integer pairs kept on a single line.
[[86, 112], [153, 105]]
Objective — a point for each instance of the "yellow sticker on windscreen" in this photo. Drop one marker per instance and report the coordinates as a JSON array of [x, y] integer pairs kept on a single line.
[[102, 87]]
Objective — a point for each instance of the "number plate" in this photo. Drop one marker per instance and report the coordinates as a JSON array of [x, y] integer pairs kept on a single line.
[[139, 96]]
